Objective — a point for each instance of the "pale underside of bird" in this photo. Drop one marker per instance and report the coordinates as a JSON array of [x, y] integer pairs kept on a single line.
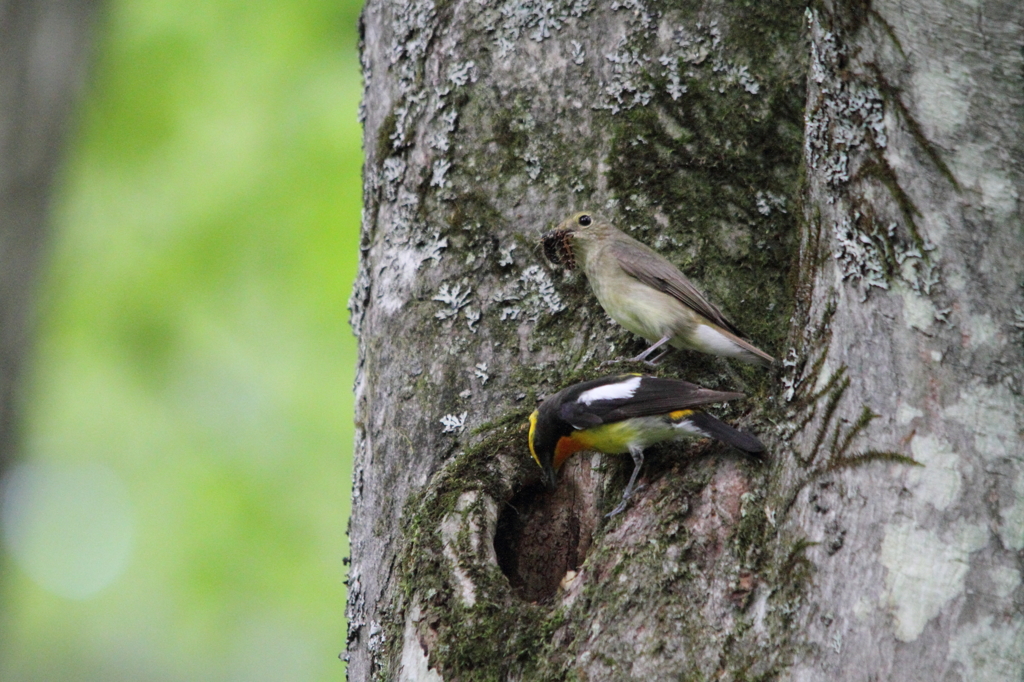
[[644, 292]]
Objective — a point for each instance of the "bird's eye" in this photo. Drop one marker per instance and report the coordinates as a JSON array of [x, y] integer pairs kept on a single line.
[[584, 220]]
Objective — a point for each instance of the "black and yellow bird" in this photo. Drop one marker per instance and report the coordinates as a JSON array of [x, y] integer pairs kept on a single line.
[[644, 292], [626, 413]]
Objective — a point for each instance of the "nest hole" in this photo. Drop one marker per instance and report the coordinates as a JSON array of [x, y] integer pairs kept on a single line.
[[542, 535]]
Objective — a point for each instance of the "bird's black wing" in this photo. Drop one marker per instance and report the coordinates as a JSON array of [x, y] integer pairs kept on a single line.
[[651, 268], [614, 398]]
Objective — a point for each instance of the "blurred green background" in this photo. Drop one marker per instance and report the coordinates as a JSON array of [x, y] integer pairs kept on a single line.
[[180, 510]]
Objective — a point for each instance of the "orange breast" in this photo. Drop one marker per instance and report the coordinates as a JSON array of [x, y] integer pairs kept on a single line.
[[566, 446]]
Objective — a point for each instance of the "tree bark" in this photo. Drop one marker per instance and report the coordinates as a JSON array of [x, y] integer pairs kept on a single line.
[[43, 57], [837, 202], [913, 267]]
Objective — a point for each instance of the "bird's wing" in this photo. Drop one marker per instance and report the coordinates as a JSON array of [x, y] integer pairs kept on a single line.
[[615, 398], [651, 268]]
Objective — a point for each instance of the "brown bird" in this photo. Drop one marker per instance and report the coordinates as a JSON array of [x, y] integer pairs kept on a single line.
[[644, 292]]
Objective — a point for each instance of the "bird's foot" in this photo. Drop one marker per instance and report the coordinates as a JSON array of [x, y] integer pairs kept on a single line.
[[653, 362], [642, 357], [618, 510], [625, 501]]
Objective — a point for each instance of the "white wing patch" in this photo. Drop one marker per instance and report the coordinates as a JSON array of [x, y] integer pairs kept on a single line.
[[713, 341], [617, 391]]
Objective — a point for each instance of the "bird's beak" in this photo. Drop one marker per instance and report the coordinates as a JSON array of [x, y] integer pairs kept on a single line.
[[557, 249], [550, 477]]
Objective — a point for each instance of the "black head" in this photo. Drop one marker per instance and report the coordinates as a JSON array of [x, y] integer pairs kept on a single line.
[[548, 431]]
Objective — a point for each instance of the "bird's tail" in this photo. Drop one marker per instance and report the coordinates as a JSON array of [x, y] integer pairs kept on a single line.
[[714, 428], [710, 338], [754, 355]]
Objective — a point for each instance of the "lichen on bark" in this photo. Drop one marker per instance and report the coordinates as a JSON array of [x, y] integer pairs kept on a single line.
[[486, 122], [890, 308]]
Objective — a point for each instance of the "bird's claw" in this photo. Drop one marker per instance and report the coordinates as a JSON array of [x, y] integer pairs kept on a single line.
[[649, 363], [625, 501], [653, 362], [617, 510]]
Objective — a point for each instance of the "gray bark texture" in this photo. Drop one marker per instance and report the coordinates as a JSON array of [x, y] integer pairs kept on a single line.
[[43, 58], [914, 251], [843, 180]]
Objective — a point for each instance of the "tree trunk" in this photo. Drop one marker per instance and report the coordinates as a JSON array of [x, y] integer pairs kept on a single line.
[[43, 55], [825, 199], [913, 263]]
